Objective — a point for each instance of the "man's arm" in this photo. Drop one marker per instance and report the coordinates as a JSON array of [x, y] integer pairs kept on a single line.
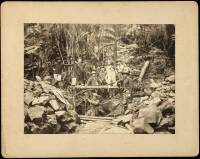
[[95, 102], [88, 82]]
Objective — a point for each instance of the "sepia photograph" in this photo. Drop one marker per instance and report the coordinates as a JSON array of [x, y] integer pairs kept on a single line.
[[99, 78]]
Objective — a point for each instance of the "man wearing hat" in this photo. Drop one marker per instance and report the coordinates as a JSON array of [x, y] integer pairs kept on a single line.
[[94, 105], [58, 68], [119, 66], [127, 84], [93, 80]]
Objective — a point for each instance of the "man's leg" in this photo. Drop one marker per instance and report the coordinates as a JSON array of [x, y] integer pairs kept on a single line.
[[54, 79]]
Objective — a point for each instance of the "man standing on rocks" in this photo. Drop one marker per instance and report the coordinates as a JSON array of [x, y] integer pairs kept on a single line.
[[93, 80], [58, 71], [127, 84], [94, 104]]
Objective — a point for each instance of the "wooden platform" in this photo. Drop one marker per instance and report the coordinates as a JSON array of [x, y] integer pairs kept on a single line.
[[95, 87]]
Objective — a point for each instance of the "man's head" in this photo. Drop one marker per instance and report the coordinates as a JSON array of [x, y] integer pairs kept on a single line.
[[59, 61], [109, 62], [79, 60], [95, 95], [118, 62], [125, 75], [93, 73], [125, 72]]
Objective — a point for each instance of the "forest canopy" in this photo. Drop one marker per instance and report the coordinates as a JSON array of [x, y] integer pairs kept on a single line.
[[46, 43]]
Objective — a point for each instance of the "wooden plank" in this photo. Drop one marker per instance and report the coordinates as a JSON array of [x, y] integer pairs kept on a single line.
[[95, 117], [144, 68], [88, 119], [96, 87]]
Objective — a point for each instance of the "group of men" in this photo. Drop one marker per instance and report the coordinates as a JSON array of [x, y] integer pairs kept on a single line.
[[112, 75], [118, 75]]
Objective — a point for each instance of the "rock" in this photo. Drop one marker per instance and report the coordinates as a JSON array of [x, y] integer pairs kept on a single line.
[[151, 114], [171, 79], [36, 112], [148, 91], [49, 128], [172, 87], [115, 130], [93, 127], [110, 105], [60, 113], [62, 106], [46, 129], [162, 132], [140, 127], [156, 101], [38, 78], [119, 110], [40, 100], [131, 106], [33, 128], [154, 85], [25, 113], [59, 95], [46, 90], [51, 119], [72, 127], [123, 119], [168, 121], [28, 98], [167, 108], [75, 116], [171, 94], [165, 88], [58, 128], [144, 98], [171, 129], [64, 117], [147, 102], [156, 94], [47, 78], [171, 100], [54, 104], [49, 110], [132, 46], [165, 83], [26, 129]]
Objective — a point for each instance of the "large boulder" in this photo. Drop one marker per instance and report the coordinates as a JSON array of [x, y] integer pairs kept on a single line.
[[141, 127], [115, 130], [110, 105], [32, 128], [51, 119], [171, 79], [40, 100], [168, 121], [28, 98], [151, 114], [156, 94], [54, 104], [167, 108], [156, 101], [123, 119], [36, 113]]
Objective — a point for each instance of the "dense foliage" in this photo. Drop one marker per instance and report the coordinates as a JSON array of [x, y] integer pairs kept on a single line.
[[46, 43]]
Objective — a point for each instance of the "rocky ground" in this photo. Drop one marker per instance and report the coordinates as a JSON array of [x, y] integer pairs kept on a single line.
[[48, 109], [154, 112]]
